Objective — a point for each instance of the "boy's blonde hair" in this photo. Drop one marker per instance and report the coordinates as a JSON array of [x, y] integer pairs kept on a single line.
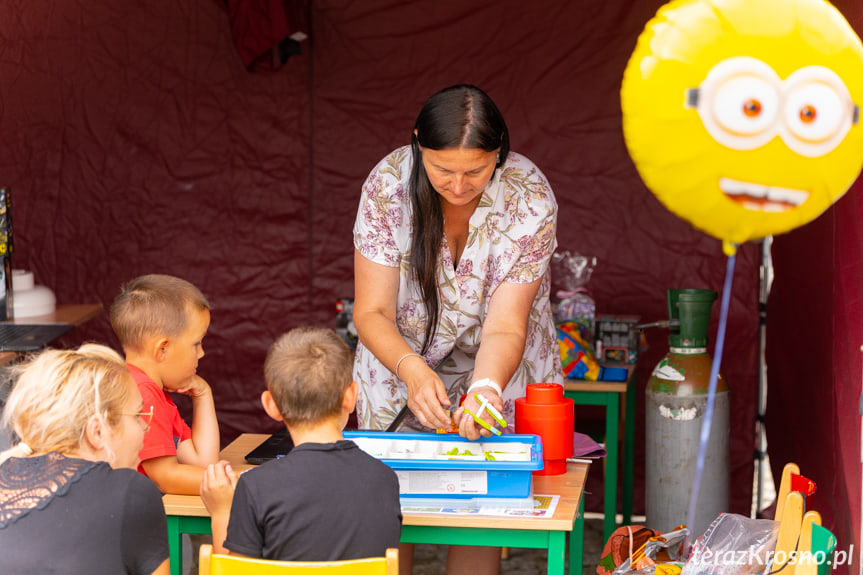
[[58, 391], [307, 371], [153, 305]]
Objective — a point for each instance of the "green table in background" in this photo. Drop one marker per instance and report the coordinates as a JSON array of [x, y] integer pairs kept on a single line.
[[610, 394]]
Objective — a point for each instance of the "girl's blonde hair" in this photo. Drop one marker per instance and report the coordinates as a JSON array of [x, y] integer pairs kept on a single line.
[[56, 394]]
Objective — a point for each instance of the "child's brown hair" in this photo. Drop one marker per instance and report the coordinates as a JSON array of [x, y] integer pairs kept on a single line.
[[307, 371], [153, 305]]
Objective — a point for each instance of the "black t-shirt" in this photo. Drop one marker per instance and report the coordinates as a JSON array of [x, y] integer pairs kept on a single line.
[[322, 502], [100, 520]]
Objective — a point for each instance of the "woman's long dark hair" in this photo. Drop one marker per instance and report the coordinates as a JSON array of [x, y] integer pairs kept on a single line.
[[461, 116]]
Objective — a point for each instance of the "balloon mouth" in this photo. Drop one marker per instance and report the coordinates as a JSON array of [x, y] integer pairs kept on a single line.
[[757, 197]]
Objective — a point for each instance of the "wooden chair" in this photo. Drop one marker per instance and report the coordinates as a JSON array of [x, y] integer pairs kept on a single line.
[[814, 553], [790, 505], [791, 481], [210, 563], [789, 530]]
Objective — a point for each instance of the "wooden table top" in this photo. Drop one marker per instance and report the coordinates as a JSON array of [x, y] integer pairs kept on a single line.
[[74, 314], [615, 386], [570, 487]]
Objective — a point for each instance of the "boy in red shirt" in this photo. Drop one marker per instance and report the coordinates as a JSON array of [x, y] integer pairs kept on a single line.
[[161, 321]]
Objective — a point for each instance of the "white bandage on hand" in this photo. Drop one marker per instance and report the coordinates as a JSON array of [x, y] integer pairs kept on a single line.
[[485, 382]]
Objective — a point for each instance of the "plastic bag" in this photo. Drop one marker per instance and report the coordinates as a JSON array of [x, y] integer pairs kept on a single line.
[[661, 549], [572, 271], [733, 545], [623, 541]]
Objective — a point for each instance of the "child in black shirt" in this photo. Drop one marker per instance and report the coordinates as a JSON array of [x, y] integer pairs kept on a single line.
[[326, 500]]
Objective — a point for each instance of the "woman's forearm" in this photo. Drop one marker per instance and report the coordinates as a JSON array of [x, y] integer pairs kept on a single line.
[[499, 356], [379, 335], [504, 332]]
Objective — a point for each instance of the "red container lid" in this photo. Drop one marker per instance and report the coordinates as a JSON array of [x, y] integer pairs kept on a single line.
[[544, 393]]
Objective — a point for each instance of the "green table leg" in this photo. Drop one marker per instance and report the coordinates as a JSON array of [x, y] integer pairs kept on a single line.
[[610, 400], [629, 450], [177, 525], [612, 422], [576, 542], [175, 545], [556, 552], [553, 541]]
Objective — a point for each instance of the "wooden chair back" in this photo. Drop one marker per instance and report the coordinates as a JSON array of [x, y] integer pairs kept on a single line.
[[815, 551], [791, 481], [789, 530], [210, 563], [795, 528]]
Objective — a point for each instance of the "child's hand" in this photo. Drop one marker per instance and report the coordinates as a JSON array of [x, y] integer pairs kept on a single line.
[[217, 493], [217, 487], [195, 387]]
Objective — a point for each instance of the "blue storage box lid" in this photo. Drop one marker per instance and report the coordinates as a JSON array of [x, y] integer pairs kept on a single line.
[[451, 451]]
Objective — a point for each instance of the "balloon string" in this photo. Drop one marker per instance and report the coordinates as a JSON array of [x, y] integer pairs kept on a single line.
[[711, 394]]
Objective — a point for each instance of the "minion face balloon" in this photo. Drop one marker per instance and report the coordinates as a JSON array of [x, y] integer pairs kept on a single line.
[[743, 116]]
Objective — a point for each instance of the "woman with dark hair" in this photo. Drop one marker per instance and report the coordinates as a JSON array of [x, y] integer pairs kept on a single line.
[[453, 238]]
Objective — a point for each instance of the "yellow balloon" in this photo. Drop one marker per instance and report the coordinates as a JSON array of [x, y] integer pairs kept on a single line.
[[743, 116]]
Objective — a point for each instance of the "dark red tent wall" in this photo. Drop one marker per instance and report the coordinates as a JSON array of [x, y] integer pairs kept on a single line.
[[555, 73], [814, 337], [135, 141], [149, 148]]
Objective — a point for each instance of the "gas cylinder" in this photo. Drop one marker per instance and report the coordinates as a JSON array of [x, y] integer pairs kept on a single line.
[[675, 402]]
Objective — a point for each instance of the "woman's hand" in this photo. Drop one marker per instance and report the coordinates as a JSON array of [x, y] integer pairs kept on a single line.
[[467, 426], [426, 393]]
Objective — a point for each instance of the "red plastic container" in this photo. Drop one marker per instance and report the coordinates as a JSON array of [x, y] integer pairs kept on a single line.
[[545, 412]]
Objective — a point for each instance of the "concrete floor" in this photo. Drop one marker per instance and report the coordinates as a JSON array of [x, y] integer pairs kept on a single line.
[[431, 559]]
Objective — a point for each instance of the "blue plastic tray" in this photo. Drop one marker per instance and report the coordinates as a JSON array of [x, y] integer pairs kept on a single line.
[[508, 479]]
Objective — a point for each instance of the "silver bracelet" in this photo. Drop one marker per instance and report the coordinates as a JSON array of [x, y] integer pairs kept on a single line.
[[402, 358], [485, 382]]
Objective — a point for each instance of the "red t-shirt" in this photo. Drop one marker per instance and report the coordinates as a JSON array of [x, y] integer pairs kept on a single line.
[[167, 430]]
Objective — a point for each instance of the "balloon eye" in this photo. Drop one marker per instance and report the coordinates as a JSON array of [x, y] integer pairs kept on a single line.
[[808, 114], [751, 108]]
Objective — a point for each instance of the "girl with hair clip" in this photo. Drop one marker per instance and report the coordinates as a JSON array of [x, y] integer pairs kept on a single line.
[[452, 239], [71, 500]]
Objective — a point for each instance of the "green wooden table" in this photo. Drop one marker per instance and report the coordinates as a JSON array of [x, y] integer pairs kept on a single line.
[[187, 514], [610, 395]]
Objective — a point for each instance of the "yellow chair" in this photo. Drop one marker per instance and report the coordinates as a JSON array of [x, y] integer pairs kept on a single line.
[[790, 525], [815, 552], [790, 506], [791, 481], [210, 563]]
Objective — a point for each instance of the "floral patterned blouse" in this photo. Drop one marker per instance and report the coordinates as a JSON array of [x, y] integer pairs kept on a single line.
[[511, 239]]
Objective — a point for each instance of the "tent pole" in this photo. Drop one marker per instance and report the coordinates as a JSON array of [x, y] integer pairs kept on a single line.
[[766, 273]]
